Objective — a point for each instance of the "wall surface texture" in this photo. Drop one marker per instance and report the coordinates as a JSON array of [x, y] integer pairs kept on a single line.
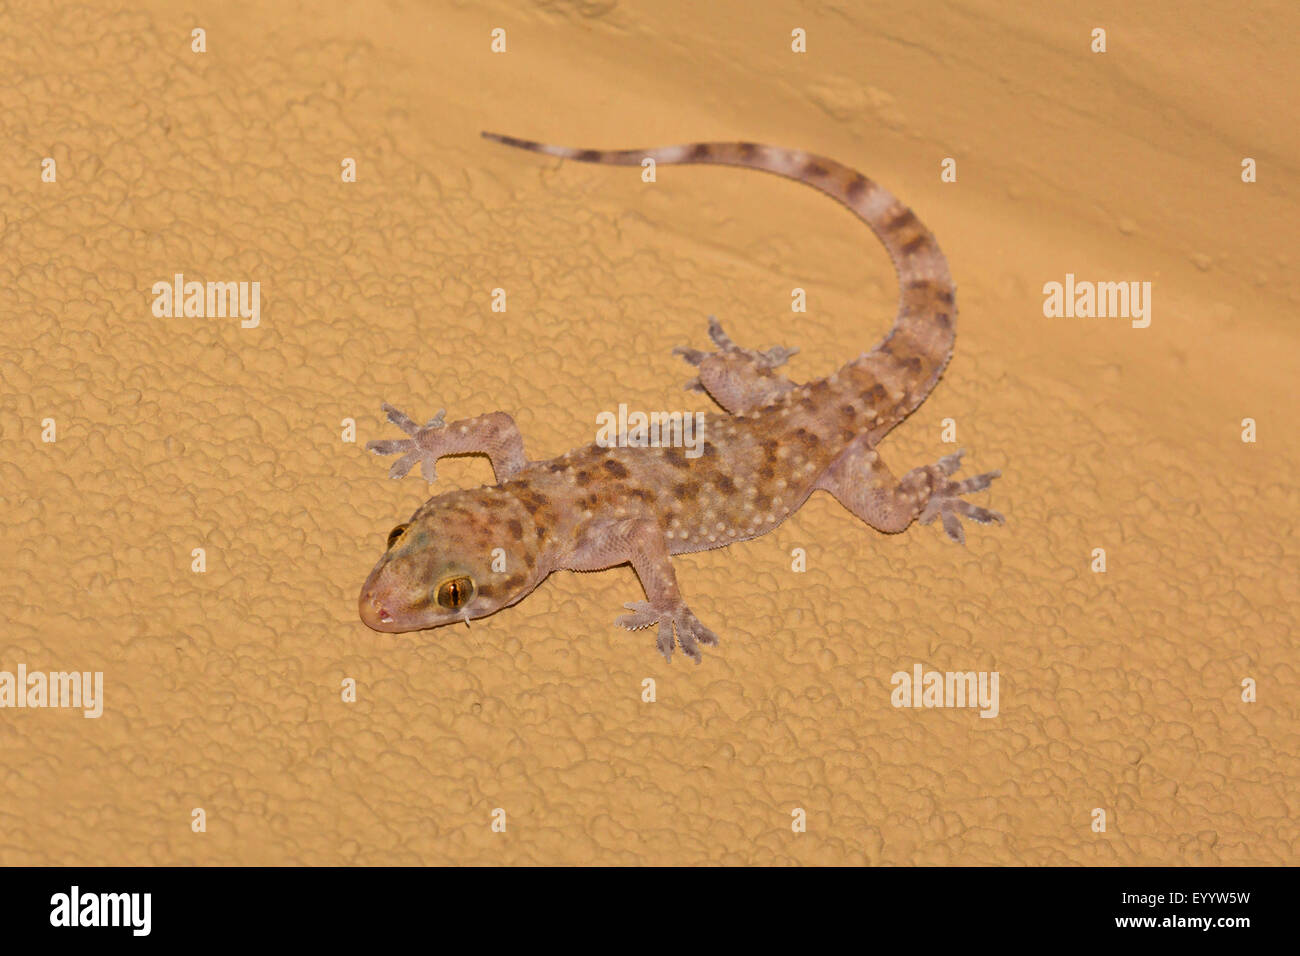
[[1120, 691]]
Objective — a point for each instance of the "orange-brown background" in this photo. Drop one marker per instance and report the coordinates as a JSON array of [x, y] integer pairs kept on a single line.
[[1119, 691]]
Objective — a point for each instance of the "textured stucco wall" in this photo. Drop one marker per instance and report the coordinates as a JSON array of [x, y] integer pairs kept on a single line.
[[222, 690]]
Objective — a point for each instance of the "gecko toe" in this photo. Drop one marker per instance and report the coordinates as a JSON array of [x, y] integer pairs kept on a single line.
[[720, 338], [400, 419], [976, 513], [389, 446], [691, 356], [702, 633], [690, 648], [977, 483], [429, 468], [691, 634], [775, 357], [643, 615], [950, 463], [403, 465], [665, 641]]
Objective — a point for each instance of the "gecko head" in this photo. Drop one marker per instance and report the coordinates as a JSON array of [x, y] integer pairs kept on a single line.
[[462, 555]]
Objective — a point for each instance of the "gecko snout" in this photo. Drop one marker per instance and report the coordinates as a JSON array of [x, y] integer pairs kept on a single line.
[[373, 613]]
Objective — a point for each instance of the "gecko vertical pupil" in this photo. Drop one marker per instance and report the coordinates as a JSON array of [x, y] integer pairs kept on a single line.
[[455, 592], [396, 533]]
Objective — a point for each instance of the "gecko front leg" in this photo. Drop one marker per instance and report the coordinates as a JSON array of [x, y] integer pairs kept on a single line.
[[861, 482], [494, 435], [641, 542], [736, 378]]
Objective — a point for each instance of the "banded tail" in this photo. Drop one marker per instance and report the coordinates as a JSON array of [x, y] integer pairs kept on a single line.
[[910, 359]]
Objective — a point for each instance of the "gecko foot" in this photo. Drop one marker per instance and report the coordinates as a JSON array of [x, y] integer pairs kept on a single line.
[[771, 358], [690, 632], [945, 502], [423, 446]]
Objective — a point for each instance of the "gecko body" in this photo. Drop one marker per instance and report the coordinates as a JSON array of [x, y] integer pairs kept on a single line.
[[466, 554]]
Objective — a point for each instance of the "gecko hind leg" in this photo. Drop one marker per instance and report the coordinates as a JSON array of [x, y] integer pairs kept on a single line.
[[861, 482], [494, 435], [738, 379]]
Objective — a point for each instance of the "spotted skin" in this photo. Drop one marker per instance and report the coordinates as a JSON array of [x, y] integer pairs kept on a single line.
[[466, 554]]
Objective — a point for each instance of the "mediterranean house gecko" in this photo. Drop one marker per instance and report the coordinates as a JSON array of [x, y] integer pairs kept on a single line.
[[466, 554]]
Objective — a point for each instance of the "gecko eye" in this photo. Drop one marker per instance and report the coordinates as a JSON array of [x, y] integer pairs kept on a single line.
[[396, 533], [455, 592]]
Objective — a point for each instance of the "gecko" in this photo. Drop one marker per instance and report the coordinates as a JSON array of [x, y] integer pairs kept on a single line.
[[468, 553]]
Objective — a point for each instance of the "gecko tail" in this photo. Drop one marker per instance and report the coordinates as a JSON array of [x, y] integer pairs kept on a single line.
[[609, 157], [915, 352]]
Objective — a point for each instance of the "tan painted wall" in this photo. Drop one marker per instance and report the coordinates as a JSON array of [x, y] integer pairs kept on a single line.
[[222, 690]]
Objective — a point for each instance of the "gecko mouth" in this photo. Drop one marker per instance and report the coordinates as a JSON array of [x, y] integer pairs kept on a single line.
[[374, 613]]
